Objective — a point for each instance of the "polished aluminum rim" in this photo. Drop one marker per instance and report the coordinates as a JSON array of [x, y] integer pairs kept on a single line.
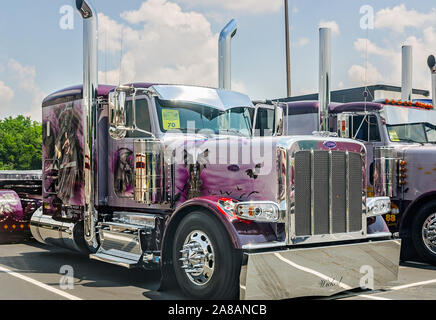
[[198, 260], [429, 233]]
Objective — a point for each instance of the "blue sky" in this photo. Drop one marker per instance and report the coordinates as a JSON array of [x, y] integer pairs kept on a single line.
[[176, 41]]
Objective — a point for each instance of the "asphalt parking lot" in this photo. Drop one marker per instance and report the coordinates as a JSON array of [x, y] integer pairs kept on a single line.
[[33, 272]]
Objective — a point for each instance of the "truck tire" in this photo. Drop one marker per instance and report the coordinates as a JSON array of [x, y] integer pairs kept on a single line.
[[205, 263], [424, 232]]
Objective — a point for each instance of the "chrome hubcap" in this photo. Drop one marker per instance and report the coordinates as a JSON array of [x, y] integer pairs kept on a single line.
[[198, 260], [429, 233]]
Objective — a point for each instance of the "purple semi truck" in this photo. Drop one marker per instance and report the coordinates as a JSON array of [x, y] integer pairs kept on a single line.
[[400, 138], [400, 141], [170, 177]]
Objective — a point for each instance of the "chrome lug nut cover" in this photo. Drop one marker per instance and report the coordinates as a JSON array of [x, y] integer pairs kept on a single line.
[[197, 257], [429, 233]]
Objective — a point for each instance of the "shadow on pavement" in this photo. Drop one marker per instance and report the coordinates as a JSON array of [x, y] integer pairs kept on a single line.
[[417, 265], [87, 273]]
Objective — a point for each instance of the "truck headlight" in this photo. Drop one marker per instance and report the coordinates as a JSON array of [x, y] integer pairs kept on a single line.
[[263, 211], [377, 206]]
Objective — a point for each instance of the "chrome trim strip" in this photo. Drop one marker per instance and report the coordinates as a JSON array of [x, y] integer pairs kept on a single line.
[[347, 190], [379, 235], [312, 193], [254, 246], [330, 192]]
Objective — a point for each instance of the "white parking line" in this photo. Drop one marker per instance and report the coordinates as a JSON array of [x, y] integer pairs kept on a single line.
[[416, 284], [314, 272], [373, 297], [39, 284]]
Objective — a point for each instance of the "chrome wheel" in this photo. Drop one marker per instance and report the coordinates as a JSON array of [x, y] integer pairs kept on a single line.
[[429, 233], [198, 260]]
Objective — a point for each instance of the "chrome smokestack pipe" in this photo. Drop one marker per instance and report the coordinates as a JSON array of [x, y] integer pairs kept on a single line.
[[407, 71], [431, 61], [324, 77], [90, 86], [225, 55]]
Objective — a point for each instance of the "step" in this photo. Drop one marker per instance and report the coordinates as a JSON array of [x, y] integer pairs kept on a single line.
[[117, 257]]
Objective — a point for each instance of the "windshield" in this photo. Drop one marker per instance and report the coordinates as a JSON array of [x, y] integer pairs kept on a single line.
[[187, 117], [417, 132]]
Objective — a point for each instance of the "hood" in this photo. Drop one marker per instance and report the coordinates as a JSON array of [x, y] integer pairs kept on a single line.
[[421, 169]]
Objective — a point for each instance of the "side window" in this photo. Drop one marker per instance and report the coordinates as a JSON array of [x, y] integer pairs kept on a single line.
[[365, 128], [265, 122], [142, 118], [301, 124]]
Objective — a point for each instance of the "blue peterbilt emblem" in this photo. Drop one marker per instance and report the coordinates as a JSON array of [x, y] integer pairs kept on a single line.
[[330, 144]]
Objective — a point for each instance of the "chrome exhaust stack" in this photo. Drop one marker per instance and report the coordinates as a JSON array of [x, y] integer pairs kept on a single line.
[[407, 72], [225, 55], [90, 86], [324, 78], [431, 61]]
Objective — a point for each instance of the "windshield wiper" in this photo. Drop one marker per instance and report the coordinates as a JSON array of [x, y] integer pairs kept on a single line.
[[233, 131], [411, 141]]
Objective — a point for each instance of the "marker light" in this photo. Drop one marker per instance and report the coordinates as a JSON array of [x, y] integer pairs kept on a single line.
[[402, 175], [419, 105], [263, 211]]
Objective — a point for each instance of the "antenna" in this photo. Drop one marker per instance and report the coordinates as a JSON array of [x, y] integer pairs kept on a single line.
[[288, 51], [121, 55]]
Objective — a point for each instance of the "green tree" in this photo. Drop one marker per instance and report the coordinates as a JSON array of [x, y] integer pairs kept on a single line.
[[20, 144]]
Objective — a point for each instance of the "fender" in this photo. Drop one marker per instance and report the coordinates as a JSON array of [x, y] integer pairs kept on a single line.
[[418, 202], [210, 204]]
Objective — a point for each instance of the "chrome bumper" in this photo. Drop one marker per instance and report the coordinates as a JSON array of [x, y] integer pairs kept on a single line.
[[322, 271]]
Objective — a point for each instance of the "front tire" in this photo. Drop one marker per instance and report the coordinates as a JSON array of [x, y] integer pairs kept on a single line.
[[205, 263], [424, 232]]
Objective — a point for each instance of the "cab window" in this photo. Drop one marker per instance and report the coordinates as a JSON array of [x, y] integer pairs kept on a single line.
[[265, 122], [142, 119], [365, 128]]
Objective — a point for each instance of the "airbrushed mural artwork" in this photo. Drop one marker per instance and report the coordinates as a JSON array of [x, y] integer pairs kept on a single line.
[[63, 180]]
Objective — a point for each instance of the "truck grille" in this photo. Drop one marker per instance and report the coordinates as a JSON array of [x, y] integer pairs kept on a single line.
[[328, 192]]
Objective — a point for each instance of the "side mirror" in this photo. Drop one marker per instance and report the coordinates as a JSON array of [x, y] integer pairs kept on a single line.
[[431, 62], [117, 109], [278, 121], [344, 125]]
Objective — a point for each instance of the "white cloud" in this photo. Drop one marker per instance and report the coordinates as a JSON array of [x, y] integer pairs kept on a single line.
[[365, 45], [302, 42], [305, 91], [389, 58], [167, 45], [357, 75], [240, 6], [330, 24], [25, 78], [6, 93], [398, 18]]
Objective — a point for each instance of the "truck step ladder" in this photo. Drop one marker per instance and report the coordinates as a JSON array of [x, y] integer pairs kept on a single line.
[[120, 244]]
